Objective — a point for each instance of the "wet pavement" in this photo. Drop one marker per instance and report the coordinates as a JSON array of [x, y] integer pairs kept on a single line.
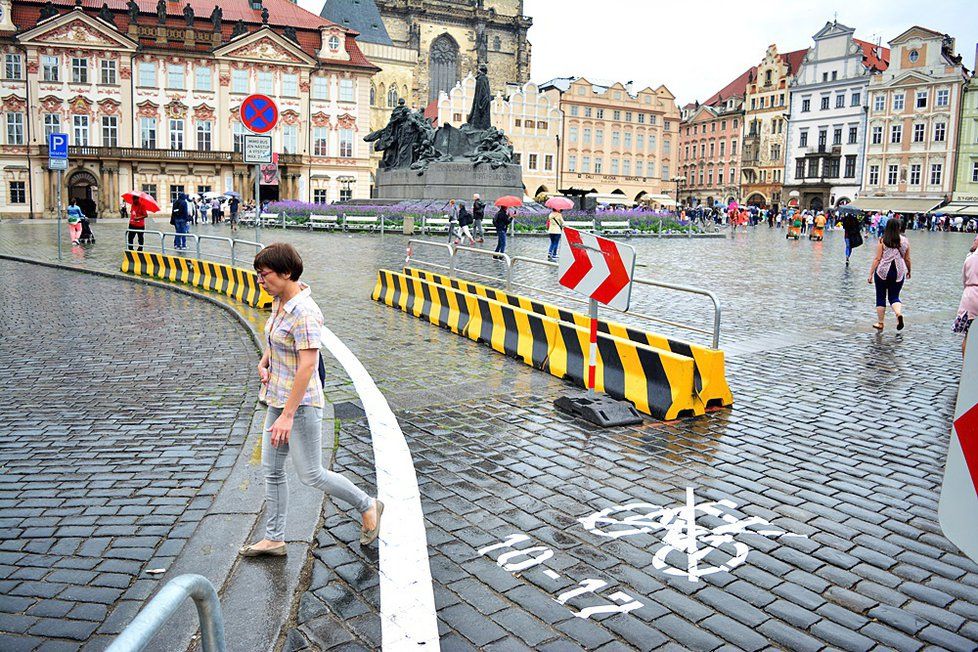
[[813, 499]]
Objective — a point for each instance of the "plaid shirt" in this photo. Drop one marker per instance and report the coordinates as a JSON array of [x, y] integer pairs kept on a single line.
[[297, 327]]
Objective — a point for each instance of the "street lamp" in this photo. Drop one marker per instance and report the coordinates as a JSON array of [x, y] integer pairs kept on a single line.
[[679, 181]]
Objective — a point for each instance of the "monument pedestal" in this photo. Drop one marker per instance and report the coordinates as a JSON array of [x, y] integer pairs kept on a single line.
[[451, 180]]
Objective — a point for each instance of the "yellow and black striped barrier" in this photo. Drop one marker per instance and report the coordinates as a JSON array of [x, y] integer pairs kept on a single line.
[[709, 379], [659, 383], [237, 283]]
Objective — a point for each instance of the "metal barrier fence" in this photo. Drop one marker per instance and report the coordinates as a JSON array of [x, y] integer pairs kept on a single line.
[[232, 243], [511, 264], [154, 615]]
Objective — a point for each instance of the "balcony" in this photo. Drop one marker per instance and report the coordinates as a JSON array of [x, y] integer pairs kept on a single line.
[[166, 155]]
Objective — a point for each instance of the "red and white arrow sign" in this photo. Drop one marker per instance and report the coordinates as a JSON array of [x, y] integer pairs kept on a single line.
[[959, 495], [599, 268]]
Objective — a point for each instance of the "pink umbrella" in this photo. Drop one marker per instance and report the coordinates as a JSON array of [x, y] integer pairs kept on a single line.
[[559, 203]]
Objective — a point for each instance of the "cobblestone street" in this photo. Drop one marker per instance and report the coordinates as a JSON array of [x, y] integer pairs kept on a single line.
[[812, 502]]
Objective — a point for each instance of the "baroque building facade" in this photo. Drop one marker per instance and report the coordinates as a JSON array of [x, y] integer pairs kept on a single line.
[[616, 142], [914, 108], [765, 124], [532, 120], [149, 97], [964, 199], [827, 125]]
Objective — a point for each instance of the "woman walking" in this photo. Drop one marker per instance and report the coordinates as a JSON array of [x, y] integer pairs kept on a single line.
[[501, 222], [293, 391], [464, 220], [75, 216], [968, 308], [890, 268], [555, 227], [853, 234], [137, 224]]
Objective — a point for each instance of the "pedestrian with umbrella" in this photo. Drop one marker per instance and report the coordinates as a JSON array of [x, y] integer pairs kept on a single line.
[[504, 217], [555, 223], [142, 203]]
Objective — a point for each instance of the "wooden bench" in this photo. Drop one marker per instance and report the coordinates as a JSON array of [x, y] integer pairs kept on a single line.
[[617, 227], [325, 222], [361, 222], [436, 224], [580, 225]]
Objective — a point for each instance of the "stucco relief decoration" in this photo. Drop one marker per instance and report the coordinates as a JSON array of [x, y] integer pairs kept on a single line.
[[347, 121], [77, 32], [304, 86], [81, 105], [147, 109], [266, 50], [203, 112], [175, 109], [33, 66], [225, 79], [320, 120], [51, 104], [109, 107], [14, 104], [290, 117]]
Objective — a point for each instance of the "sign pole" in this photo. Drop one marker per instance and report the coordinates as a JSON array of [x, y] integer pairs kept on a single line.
[[60, 173], [257, 203], [593, 349]]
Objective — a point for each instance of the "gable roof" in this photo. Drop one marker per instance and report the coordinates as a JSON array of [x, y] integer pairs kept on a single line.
[[737, 87], [794, 60], [875, 62], [362, 16]]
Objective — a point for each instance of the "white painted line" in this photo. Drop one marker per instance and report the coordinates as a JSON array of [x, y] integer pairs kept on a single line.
[[551, 574], [407, 601]]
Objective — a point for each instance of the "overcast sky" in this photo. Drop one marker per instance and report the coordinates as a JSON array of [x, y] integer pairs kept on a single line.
[[697, 47]]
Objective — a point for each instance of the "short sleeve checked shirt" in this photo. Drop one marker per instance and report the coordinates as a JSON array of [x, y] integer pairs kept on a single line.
[[299, 326]]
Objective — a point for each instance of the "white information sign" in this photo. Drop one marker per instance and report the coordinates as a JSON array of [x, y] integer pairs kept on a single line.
[[57, 164], [257, 149]]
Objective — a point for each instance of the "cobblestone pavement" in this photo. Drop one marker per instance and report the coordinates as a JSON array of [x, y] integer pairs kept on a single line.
[[106, 465], [835, 448]]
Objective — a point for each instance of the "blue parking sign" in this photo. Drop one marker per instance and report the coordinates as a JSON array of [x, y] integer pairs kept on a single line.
[[58, 145]]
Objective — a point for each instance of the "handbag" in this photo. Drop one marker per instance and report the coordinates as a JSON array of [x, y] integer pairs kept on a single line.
[[856, 240]]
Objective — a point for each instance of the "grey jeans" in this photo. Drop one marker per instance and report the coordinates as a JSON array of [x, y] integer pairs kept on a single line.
[[477, 229], [305, 443]]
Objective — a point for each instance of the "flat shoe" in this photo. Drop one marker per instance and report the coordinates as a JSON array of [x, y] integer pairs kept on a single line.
[[878, 326], [251, 551], [900, 323], [369, 536]]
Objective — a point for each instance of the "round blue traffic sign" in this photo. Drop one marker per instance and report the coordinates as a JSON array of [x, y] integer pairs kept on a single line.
[[259, 113]]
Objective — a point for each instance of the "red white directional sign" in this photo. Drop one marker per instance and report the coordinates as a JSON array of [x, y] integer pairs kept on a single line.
[[958, 509], [598, 268], [259, 113]]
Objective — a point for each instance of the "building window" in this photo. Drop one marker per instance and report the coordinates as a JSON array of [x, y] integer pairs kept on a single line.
[[806, 105], [175, 191], [18, 192], [896, 133], [915, 174], [855, 99], [571, 162], [892, 174], [598, 165], [50, 68], [319, 196], [840, 100], [921, 100], [824, 103], [874, 175], [974, 172], [517, 158], [940, 131], [628, 116], [204, 131], [879, 101], [628, 140], [585, 164], [943, 97], [918, 133], [837, 136], [79, 125], [108, 77], [599, 114], [79, 70], [720, 176], [518, 122], [548, 163], [147, 133], [572, 134], [290, 139], [290, 85], [320, 88], [723, 145], [147, 73], [149, 189], [320, 141], [599, 137], [615, 138], [935, 174], [346, 143], [238, 133], [346, 191], [853, 135], [52, 124], [666, 147], [574, 111], [616, 116], [898, 99], [877, 135], [110, 131], [665, 172], [626, 167], [175, 76], [202, 190], [831, 168], [585, 134], [532, 162], [202, 78], [640, 142], [346, 90], [266, 82], [641, 118], [13, 67], [15, 128], [614, 166], [850, 166], [813, 167], [802, 139], [176, 134], [239, 81]]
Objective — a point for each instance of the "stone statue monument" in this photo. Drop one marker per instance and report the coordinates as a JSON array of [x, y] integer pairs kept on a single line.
[[479, 118]]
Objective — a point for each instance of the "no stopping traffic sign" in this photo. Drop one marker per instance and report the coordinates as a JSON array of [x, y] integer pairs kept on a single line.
[[259, 113]]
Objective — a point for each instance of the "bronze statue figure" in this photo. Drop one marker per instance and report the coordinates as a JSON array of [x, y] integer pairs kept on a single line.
[[161, 12], [217, 18], [133, 10], [188, 15], [480, 118]]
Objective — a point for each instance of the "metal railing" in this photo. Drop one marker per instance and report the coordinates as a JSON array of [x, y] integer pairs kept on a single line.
[[154, 615], [232, 243], [509, 282]]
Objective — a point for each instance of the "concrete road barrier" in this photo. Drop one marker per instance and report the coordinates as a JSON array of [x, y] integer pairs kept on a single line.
[[237, 283]]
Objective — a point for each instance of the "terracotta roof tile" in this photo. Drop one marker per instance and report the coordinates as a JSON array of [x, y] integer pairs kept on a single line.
[[737, 87], [870, 60], [794, 59]]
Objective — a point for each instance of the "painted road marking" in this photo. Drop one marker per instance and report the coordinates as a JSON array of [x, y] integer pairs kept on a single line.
[[407, 601], [551, 574]]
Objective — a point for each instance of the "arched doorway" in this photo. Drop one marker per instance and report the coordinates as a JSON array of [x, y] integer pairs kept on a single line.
[[541, 193], [640, 196], [817, 204], [756, 199], [83, 187], [442, 65]]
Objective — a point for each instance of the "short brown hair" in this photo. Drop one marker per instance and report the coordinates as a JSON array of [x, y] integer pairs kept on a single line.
[[281, 258]]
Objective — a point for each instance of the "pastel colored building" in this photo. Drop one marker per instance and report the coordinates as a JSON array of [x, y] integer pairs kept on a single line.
[[913, 125], [964, 199]]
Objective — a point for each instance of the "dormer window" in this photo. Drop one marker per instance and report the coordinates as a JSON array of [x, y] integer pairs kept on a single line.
[[334, 42]]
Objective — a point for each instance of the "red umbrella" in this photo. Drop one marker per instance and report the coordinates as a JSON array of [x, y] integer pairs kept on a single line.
[[144, 198], [559, 203], [508, 201]]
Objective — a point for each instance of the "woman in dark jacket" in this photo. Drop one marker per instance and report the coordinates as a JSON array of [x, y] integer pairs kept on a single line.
[[854, 238], [464, 220], [501, 222]]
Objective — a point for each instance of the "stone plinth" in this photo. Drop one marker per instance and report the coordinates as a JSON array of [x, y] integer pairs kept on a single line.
[[451, 180]]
